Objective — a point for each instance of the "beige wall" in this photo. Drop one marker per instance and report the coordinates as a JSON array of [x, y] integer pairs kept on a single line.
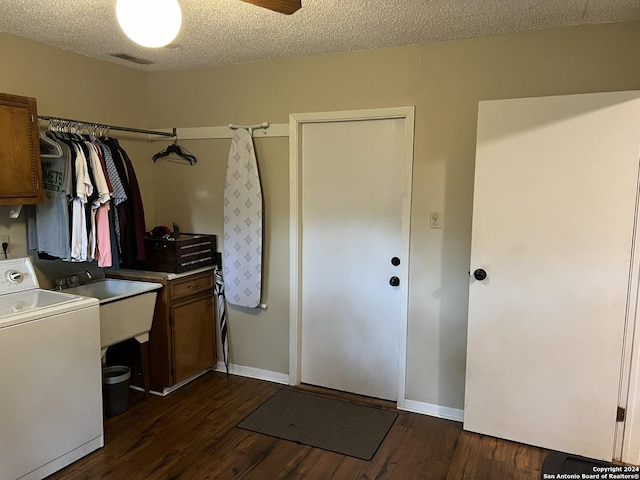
[[73, 86], [252, 93], [444, 81], [456, 75], [192, 198]]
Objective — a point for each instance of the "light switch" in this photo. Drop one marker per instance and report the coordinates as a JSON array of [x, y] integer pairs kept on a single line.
[[435, 219]]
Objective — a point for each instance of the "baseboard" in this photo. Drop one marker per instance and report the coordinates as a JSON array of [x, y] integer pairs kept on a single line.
[[65, 460], [256, 373], [439, 411], [239, 370], [167, 390]]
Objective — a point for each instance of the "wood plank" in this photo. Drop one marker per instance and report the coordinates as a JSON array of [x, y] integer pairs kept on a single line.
[[192, 433]]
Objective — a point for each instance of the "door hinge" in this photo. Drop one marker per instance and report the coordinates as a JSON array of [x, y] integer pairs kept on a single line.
[[620, 414]]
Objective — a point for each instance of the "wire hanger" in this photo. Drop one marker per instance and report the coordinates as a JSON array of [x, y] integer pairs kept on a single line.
[[176, 150]]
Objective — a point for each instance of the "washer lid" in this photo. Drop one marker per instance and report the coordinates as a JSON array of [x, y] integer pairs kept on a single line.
[[30, 300]]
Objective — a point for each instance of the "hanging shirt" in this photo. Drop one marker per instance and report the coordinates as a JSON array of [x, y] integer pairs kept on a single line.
[[130, 213], [84, 189], [124, 211], [103, 196], [139, 227], [52, 215], [100, 182], [103, 237], [118, 193]]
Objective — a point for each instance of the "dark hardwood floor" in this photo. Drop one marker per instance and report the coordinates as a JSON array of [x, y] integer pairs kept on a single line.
[[192, 434]]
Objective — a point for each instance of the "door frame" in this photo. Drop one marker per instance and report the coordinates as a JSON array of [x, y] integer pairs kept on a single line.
[[296, 121], [627, 438]]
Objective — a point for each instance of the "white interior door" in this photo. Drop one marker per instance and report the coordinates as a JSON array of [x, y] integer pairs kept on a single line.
[[354, 186], [553, 227]]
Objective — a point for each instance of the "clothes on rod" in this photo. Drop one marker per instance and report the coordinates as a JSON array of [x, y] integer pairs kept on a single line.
[[102, 126], [92, 208]]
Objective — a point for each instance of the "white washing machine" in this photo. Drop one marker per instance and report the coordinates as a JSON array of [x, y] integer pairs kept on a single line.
[[50, 375]]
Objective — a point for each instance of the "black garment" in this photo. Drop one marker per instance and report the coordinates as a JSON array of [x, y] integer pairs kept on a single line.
[[131, 212]]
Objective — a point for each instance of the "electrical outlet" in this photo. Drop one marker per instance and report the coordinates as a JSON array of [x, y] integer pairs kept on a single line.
[[4, 239], [435, 220]]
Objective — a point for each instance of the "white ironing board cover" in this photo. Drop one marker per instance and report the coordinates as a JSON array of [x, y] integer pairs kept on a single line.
[[242, 248]]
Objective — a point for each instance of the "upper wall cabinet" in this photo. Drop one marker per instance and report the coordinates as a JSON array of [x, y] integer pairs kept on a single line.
[[20, 170]]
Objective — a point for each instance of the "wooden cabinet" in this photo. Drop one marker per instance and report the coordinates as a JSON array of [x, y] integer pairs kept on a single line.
[[182, 341], [20, 171], [192, 337]]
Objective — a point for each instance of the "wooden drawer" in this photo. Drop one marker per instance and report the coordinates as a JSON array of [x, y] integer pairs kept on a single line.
[[191, 285]]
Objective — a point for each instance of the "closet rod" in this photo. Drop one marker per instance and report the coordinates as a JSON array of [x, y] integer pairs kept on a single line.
[[110, 127]]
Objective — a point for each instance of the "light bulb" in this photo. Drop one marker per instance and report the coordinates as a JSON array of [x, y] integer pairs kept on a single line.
[[150, 23]]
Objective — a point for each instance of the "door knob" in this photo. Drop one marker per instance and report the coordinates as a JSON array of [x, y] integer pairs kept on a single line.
[[479, 274], [394, 281]]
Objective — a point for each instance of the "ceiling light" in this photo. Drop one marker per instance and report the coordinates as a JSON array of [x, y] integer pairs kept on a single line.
[[150, 23]]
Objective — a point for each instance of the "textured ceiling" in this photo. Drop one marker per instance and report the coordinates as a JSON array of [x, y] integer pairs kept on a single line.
[[219, 32]]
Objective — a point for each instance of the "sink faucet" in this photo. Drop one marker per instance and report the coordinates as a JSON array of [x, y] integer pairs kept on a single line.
[[61, 283], [86, 272], [72, 280]]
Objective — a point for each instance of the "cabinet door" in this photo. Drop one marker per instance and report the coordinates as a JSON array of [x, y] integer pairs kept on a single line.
[[20, 171], [193, 337]]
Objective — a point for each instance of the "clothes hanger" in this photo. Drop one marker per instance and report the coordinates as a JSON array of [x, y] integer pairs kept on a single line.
[[49, 148], [176, 150]]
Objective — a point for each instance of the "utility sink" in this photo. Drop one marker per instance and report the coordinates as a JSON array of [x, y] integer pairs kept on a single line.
[[126, 308]]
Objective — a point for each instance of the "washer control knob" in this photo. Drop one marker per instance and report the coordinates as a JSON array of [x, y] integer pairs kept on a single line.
[[15, 276]]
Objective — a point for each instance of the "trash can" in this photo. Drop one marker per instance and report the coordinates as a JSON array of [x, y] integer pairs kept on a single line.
[[115, 390]]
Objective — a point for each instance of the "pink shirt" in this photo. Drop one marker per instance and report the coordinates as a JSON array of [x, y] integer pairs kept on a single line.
[[103, 237]]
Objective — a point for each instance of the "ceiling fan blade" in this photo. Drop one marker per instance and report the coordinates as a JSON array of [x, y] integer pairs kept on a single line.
[[281, 6]]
